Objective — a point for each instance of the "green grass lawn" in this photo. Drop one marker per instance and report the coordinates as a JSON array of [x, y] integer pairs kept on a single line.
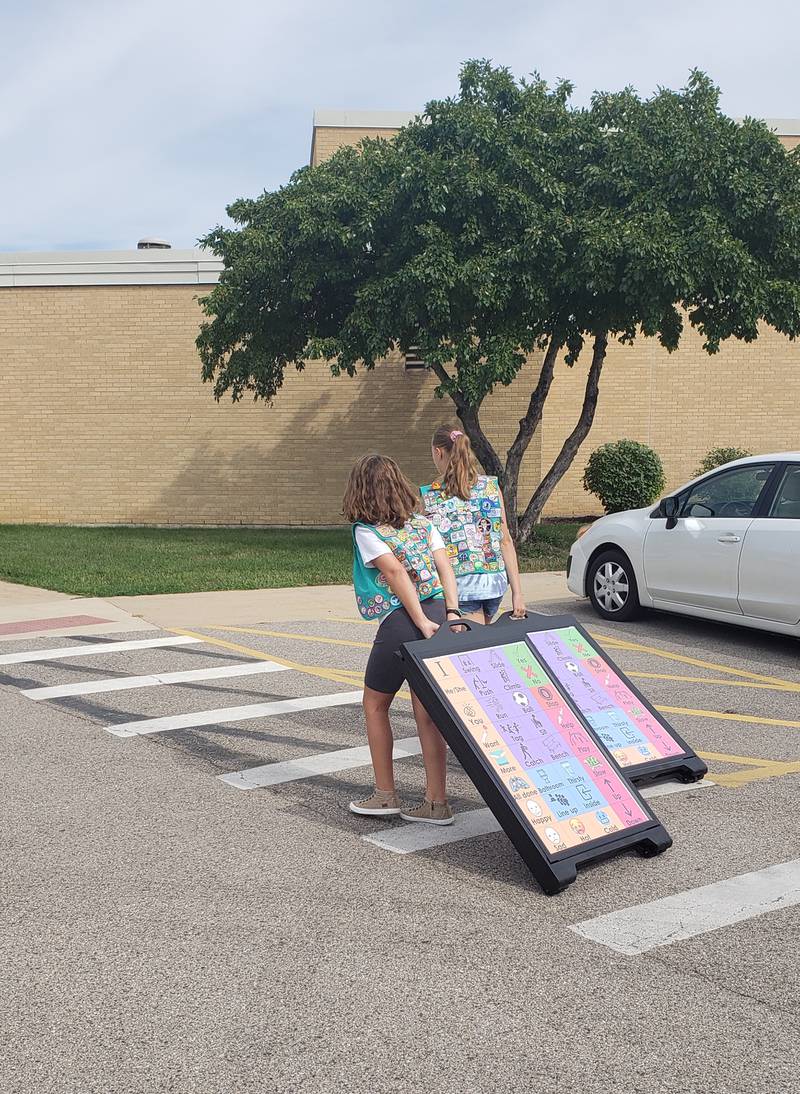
[[123, 561], [550, 547]]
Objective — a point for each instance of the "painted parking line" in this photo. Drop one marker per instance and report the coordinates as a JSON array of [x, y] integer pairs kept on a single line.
[[324, 763], [338, 676], [645, 927], [296, 637], [729, 683], [348, 676], [408, 838], [127, 683], [765, 683], [776, 682], [755, 769], [738, 779], [223, 715], [668, 655], [727, 716], [95, 649]]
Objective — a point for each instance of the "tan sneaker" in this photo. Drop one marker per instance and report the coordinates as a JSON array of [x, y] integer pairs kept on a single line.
[[430, 813], [383, 803]]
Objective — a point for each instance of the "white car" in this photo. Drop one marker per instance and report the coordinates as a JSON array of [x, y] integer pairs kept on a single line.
[[726, 547]]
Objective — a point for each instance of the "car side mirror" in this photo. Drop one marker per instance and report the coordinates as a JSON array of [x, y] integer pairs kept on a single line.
[[669, 507]]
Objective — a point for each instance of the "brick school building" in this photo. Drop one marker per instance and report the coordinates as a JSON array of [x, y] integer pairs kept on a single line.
[[104, 418]]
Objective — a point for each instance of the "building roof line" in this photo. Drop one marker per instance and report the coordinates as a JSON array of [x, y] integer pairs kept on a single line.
[[363, 119], [782, 127], [193, 266], [395, 119]]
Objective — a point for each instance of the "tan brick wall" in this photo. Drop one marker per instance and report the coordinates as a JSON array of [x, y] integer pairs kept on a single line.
[[327, 139], [104, 418]]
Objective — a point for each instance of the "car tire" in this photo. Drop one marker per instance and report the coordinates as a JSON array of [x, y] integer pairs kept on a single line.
[[611, 584]]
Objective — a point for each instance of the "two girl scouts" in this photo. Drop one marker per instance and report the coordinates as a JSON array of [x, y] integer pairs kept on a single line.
[[412, 571]]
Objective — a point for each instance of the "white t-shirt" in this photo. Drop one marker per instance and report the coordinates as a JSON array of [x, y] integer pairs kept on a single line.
[[371, 546]]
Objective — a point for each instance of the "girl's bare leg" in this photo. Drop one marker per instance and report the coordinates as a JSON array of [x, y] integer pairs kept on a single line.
[[379, 736], [434, 753]]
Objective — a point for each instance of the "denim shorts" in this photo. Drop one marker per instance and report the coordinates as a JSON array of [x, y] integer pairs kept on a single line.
[[488, 607]]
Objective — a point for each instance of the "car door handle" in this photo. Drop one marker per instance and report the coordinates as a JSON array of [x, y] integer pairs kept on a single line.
[[729, 539]]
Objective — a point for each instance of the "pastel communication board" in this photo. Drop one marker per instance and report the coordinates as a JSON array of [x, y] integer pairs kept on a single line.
[[638, 738], [547, 777]]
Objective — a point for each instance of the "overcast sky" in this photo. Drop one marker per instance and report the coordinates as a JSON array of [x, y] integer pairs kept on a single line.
[[125, 118]]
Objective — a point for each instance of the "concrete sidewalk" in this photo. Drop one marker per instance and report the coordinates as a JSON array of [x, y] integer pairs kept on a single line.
[[232, 608], [11, 594], [279, 605], [27, 612]]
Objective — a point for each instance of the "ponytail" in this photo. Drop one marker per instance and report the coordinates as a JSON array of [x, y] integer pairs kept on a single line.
[[461, 473]]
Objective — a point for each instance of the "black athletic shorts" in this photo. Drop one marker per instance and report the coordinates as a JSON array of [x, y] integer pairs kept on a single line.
[[384, 670]]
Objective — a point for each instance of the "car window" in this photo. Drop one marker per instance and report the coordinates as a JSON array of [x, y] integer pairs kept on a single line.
[[733, 493], [787, 499]]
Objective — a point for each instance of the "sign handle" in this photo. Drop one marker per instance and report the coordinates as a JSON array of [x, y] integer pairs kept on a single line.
[[507, 617]]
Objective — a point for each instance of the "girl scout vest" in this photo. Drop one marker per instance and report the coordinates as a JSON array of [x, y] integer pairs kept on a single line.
[[471, 530], [411, 546]]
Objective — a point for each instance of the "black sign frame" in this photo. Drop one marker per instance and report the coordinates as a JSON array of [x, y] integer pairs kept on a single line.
[[555, 871], [687, 767]]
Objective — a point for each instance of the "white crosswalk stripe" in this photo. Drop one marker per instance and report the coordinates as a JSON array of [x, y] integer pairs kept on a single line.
[[404, 839], [95, 649], [323, 763], [126, 683], [224, 715], [407, 838], [645, 927]]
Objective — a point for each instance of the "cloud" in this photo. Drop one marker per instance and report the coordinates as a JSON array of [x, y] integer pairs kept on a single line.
[[149, 116]]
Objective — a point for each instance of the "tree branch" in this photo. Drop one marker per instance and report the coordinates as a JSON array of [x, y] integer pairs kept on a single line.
[[571, 445], [481, 445]]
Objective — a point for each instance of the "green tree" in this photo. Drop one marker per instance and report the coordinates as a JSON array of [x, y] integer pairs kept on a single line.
[[502, 231], [716, 457]]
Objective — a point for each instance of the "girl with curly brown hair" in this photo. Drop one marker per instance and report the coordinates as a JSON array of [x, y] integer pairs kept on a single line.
[[404, 582]]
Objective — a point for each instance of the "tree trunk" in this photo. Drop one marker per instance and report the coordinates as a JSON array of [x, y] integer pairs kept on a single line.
[[570, 447], [481, 445], [469, 416], [527, 427]]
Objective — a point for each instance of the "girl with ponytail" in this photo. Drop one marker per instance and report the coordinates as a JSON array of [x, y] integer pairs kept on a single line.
[[467, 509]]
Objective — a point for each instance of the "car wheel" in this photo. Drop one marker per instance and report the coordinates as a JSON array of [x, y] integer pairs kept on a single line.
[[612, 589]]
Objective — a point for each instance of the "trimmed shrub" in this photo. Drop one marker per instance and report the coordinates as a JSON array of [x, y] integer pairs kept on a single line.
[[624, 475], [718, 456]]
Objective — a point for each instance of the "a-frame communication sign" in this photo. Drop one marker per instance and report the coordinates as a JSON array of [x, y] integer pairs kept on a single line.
[[544, 773]]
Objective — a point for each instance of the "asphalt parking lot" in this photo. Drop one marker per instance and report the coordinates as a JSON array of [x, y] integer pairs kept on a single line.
[[189, 906]]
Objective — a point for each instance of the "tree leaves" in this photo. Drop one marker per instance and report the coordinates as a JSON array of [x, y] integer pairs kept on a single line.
[[503, 220]]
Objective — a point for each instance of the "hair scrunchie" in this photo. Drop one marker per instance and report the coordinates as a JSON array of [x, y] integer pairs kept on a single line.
[[456, 433]]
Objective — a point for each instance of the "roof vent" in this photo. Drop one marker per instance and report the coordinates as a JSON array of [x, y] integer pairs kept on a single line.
[[149, 243]]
